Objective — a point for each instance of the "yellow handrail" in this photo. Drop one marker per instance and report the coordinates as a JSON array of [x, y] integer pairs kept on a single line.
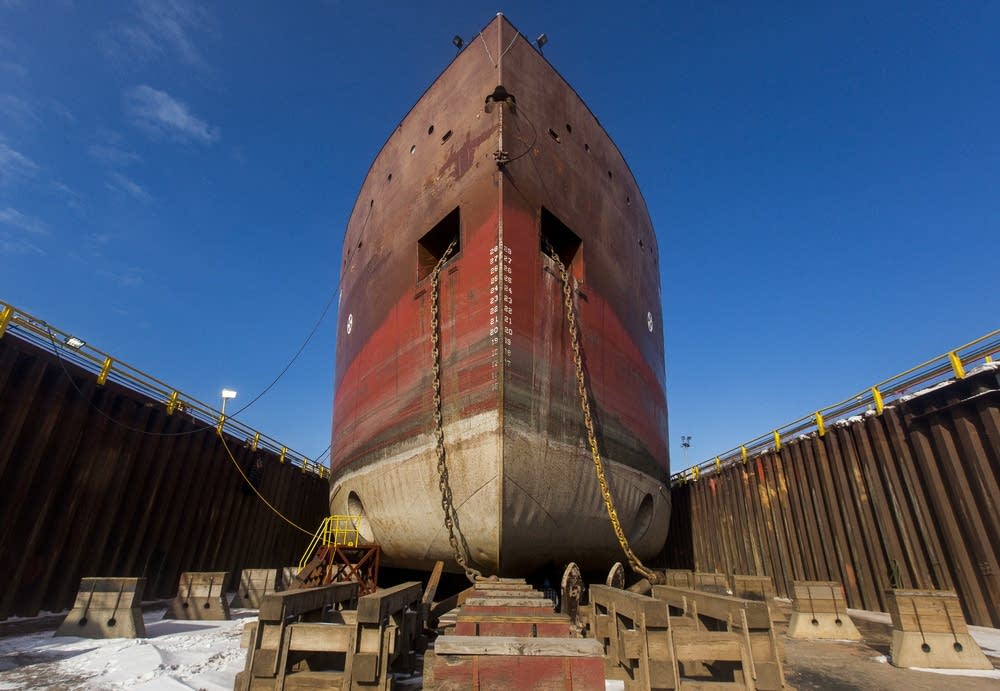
[[106, 367], [338, 531], [952, 364]]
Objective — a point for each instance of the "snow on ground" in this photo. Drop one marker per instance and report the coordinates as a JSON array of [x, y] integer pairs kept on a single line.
[[202, 655], [175, 655]]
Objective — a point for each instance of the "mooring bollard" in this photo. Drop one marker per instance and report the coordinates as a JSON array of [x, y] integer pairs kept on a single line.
[[106, 608], [200, 596], [820, 611], [253, 586], [929, 630]]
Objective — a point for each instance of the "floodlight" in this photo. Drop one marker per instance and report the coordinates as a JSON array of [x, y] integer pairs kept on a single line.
[[458, 42], [74, 342], [541, 41], [228, 393]]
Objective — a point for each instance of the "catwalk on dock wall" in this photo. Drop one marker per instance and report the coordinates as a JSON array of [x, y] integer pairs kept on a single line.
[[85, 494], [908, 498]]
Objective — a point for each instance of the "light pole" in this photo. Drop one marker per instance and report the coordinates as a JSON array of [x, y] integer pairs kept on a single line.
[[226, 395], [685, 443]]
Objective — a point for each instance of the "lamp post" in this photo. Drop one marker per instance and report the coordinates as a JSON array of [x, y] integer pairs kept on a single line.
[[685, 443], [226, 395]]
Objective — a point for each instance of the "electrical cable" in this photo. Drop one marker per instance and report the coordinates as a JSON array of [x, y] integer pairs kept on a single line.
[[256, 491]]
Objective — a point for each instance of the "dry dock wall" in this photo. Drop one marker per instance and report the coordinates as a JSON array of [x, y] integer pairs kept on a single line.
[[102, 482], [911, 497]]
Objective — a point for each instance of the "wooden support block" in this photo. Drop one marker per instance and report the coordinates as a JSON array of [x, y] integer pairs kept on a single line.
[[106, 608], [929, 630], [253, 586], [712, 583], [758, 588], [682, 578], [200, 597], [820, 612]]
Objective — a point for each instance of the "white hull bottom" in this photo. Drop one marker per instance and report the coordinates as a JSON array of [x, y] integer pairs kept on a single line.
[[522, 502]]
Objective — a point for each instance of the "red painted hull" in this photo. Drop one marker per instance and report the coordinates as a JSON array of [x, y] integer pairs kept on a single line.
[[523, 483]]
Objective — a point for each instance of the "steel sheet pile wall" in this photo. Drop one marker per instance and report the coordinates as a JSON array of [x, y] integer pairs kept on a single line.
[[149, 496], [910, 497]]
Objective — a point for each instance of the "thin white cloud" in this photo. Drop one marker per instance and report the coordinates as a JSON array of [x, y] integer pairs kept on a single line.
[[15, 219], [157, 28], [17, 111], [14, 68], [113, 155], [130, 187], [160, 114], [14, 166], [127, 277], [10, 245]]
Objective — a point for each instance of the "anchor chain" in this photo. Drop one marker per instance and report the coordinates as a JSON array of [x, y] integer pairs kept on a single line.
[[447, 505], [595, 453]]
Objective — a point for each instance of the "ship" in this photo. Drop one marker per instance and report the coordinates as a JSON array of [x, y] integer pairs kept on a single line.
[[497, 212]]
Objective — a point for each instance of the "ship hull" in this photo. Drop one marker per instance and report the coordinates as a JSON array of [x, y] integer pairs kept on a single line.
[[487, 178]]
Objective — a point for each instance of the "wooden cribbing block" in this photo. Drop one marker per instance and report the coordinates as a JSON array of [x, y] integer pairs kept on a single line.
[[682, 578], [267, 639], [201, 596], [106, 608], [929, 630], [758, 588], [711, 582], [820, 612], [749, 620], [539, 625], [499, 663], [634, 633], [253, 586]]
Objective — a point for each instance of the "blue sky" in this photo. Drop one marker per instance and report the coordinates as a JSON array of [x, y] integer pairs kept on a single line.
[[175, 180]]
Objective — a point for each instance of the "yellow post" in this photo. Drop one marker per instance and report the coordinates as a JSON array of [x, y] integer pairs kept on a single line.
[[956, 365], [284, 450], [777, 441], [820, 426], [5, 316], [256, 440], [695, 472], [105, 371], [989, 358], [172, 403], [877, 395], [743, 452], [718, 464]]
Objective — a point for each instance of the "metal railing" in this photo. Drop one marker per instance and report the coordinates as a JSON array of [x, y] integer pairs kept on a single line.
[[947, 367], [339, 531], [80, 353]]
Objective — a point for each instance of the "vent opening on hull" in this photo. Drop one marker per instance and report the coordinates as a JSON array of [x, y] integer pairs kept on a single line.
[[432, 246], [564, 241]]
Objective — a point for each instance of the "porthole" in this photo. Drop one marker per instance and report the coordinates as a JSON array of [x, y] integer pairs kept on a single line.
[[554, 135], [569, 128], [446, 136], [430, 130], [413, 149]]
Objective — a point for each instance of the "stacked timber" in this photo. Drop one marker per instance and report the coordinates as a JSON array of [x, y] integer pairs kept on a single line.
[[507, 635]]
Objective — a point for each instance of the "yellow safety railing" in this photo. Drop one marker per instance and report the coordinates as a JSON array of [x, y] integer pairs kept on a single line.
[[952, 365], [106, 368], [338, 531]]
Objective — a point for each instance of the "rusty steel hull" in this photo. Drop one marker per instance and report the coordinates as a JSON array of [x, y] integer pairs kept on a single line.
[[523, 482]]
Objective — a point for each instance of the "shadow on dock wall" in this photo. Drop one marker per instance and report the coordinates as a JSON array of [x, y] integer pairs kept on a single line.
[[909, 498], [83, 496]]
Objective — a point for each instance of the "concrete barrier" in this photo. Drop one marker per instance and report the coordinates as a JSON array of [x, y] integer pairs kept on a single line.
[[929, 630], [253, 586], [820, 612], [200, 596], [106, 608]]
